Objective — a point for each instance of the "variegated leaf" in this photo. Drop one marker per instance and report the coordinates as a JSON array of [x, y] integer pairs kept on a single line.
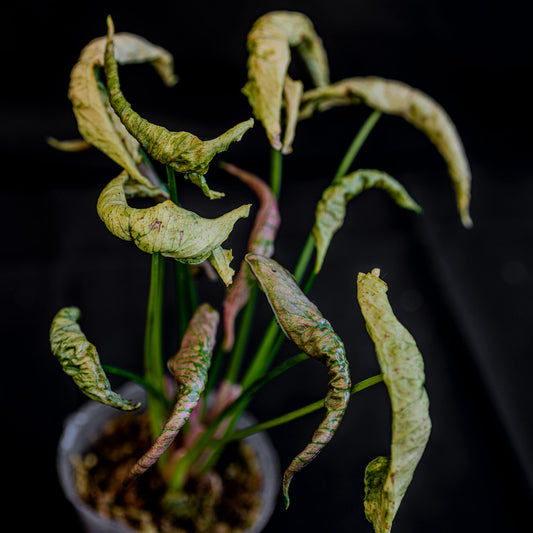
[[79, 359], [169, 229], [303, 323], [269, 43], [97, 122], [331, 208], [182, 151], [402, 366], [419, 109], [261, 241], [189, 368]]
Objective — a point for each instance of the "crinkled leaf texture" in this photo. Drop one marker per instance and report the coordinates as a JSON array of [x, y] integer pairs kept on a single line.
[[303, 323], [397, 98], [167, 228], [182, 151], [79, 359], [189, 368], [387, 478], [98, 124], [269, 43], [331, 208], [261, 241]]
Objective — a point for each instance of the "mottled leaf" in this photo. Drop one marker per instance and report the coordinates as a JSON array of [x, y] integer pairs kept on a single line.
[[419, 109], [292, 94], [387, 478], [182, 151], [189, 368], [303, 323], [261, 241], [167, 228], [331, 208], [97, 122], [79, 359], [269, 43]]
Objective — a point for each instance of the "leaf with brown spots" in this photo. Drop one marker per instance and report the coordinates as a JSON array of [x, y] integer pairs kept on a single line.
[[303, 323], [169, 229], [79, 359], [402, 366], [189, 368]]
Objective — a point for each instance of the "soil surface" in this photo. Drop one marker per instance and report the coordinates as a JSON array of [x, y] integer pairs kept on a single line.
[[223, 501]]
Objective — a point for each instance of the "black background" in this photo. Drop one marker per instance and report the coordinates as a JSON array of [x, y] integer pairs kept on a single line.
[[464, 294]]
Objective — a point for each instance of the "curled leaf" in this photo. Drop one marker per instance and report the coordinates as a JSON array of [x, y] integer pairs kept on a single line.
[[167, 228], [331, 208], [189, 368], [182, 151], [72, 145], [387, 478], [269, 43], [303, 323], [261, 241], [79, 359], [419, 109], [292, 94], [97, 122]]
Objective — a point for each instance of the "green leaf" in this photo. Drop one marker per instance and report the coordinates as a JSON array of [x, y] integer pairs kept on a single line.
[[261, 241], [269, 43], [97, 122], [387, 479], [417, 108], [79, 359], [331, 208], [303, 323], [182, 151], [189, 368], [167, 228]]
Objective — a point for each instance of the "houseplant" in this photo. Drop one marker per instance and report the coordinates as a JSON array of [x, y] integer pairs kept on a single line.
[[189, 435]]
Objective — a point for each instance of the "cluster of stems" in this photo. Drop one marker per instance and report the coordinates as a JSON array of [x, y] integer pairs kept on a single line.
[[258, 372]]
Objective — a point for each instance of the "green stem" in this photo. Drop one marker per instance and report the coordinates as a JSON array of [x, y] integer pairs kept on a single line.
[[297, 413], [187, 299], [132, 376], [153, 344], [243, 335], [276, 171]]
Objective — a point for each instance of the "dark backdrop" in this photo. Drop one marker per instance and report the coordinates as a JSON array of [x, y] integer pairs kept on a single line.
[[464, 294]]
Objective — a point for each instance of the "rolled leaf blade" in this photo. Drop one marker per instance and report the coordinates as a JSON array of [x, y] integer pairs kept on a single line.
[[269, 43], [397, 98], [303, 323], [97, 122], [79, 359], [261, 241], [168, 229], [331, 208], [189, 368], [292, 94], [402, 366], [182, 151]]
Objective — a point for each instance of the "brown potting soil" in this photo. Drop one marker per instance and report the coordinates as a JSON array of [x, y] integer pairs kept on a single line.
[[226, 500]]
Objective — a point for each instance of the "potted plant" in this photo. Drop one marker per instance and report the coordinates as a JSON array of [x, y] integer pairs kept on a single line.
[[182, 447]]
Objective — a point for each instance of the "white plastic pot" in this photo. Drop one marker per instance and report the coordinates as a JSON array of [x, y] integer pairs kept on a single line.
[[81, 429]]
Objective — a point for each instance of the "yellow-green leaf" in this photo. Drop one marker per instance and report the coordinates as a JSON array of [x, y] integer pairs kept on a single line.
[[167, 228], [97, 122], [79, 359], [331, 208], [402, 367], [269, 43], [303, 323], [419, 109], [182, 151], [189, 368]]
